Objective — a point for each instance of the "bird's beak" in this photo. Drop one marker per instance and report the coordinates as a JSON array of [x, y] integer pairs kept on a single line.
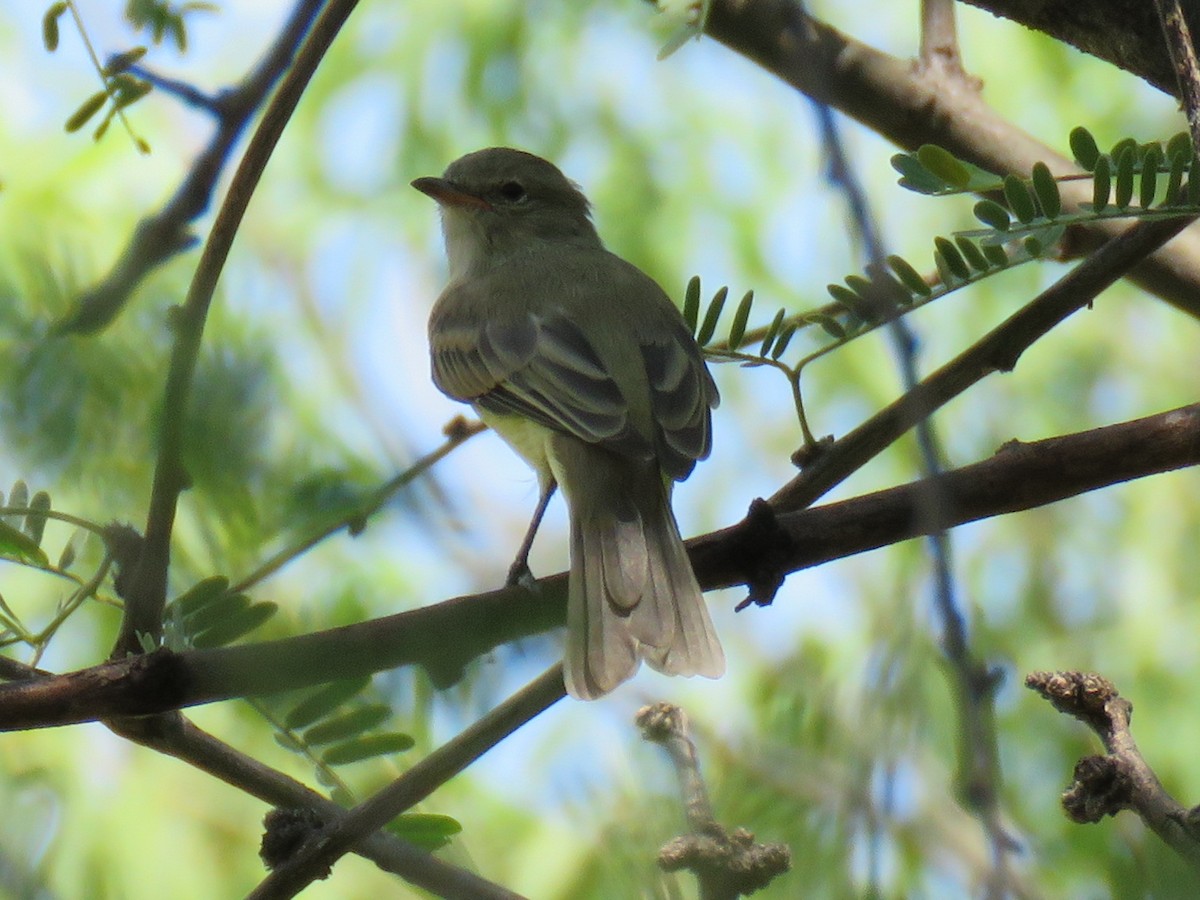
[[449, 194]]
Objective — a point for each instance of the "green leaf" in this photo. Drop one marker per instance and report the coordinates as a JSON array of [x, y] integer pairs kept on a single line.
[[86, 110], [1179, 144], [1193, 182], [287, 742], [68, 552], [1123, 191], [1179, 163], [366, 747], [831, 325], [201, 594], [773, 331], [17, 545], [50, 26], [1149, 181], [1101, 184], [909, 276], [785, 338], [995, 254], [691, 303], [1019, 198], [944, 165], [1122, 146], [127, 90], [122, 61], [236, 625], [954, 259], [737, 330], [35, 521], [348, 724], [1084, 148], [991, 213], [322, 702], [215, 610], [914, 176], [973, 255], [427, 830], [18, 497], [711, 317], [1046, 189], [1033, 246]]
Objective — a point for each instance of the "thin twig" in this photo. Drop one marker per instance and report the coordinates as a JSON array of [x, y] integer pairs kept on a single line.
[[318, 854], [1105, 785], [175, 736], [147, 595], [357, 518], [997, 351], [160, 236]]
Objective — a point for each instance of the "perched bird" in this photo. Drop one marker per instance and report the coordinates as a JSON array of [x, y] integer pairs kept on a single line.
[[585, 367]]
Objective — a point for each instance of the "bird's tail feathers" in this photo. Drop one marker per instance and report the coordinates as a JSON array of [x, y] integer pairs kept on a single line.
[[633, 594]]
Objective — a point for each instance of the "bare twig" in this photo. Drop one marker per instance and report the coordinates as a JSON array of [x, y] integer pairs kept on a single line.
[[315, 858], [147, 596], [445, 636], [160, 236], [1105, 785], [1183, 57], [727, 865]]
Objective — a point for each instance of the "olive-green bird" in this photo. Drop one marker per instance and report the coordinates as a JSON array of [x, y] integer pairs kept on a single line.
[[585, 367]]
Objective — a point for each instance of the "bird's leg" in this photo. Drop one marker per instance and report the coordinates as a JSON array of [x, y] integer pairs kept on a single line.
[[518, 572]]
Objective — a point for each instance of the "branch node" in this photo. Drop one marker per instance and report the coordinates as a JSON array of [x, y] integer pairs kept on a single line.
[[1100, 787], [286, 831], [764, 548]]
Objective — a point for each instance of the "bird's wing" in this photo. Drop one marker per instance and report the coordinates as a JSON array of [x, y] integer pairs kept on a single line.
[[681, 394], [540, 367]]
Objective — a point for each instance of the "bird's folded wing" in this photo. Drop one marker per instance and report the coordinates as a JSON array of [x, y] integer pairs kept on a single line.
[[541, 368], [681, 394]]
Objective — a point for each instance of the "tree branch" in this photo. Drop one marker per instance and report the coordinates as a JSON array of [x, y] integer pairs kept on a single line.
[[1105, 785], [158, 237], [314, 859], [443, 637], [913, 105], [173, 735]]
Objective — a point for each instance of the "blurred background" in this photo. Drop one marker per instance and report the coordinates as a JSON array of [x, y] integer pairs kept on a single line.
[[834, 730]]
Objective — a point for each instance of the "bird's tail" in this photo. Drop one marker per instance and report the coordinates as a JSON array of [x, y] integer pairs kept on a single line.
[[633, 594]]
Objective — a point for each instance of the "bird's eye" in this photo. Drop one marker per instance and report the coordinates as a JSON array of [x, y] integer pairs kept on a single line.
[[513, 191]]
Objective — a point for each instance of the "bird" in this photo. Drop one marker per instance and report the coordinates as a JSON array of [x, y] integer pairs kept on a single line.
[[584, 366]]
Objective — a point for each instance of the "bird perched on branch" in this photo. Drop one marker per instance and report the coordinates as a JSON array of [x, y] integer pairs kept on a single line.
[[585, 367]]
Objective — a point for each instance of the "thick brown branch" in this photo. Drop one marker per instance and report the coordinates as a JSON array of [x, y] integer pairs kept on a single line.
[[445, 636]]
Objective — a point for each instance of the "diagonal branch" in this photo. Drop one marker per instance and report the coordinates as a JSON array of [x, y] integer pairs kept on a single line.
[[160, 236], [175, 736], [328, 846]]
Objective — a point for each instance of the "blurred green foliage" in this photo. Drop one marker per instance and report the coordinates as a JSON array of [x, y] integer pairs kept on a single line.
[[834, 731]]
